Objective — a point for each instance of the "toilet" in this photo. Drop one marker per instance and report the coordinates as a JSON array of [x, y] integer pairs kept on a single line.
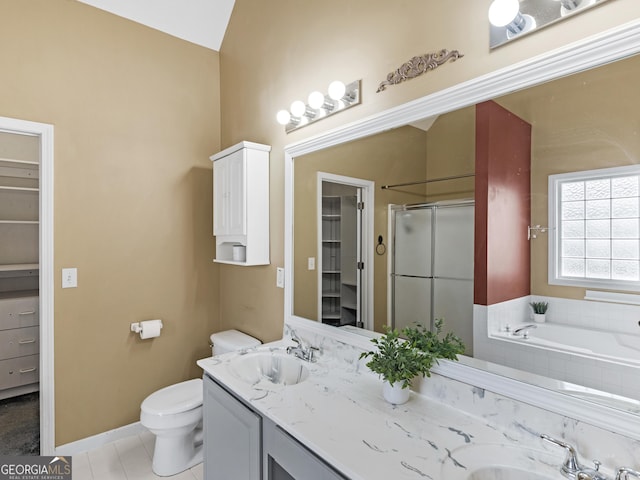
[[174, 413]]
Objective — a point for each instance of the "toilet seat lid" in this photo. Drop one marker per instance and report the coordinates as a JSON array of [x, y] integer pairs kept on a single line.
[[173, 399]]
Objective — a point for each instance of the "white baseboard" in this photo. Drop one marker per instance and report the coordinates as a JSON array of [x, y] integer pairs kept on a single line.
[[96, 441]]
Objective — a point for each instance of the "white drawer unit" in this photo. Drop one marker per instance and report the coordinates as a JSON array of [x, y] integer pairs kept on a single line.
[[19, 345], [16, 372], [19, 342], [19, 312]]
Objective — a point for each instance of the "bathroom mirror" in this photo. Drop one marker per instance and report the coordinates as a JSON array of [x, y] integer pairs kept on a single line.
[[507, 23], [598, 145]]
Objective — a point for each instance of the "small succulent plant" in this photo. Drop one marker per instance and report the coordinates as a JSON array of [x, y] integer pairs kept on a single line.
[[540, 307]]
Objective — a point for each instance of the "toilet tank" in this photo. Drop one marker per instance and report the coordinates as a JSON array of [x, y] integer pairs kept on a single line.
[[231, 341]]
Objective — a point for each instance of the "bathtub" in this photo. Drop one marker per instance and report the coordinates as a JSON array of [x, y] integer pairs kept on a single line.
[[615, 347]]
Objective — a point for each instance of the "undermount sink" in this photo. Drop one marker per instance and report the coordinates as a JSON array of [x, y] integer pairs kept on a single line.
[[508, 473], [501, 462], [275, 367]]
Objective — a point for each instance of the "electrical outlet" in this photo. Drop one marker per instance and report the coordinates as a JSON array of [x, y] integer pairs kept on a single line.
[[280, 277], [69, 277], [311, 263]]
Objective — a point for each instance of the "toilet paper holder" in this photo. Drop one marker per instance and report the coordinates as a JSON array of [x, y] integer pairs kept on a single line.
[[147, 328]]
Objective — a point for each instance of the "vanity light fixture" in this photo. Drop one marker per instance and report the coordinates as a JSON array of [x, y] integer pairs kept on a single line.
[[339, 97], [571, 6], [506, 13], [512, 19]]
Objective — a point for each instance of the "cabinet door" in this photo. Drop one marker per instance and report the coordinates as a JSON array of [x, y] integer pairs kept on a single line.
[[232, 436], [237, 193], [287, 459], [229, 205], [220, 196]]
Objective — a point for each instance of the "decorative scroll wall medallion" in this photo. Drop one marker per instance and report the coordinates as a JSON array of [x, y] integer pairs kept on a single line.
[[419, 65]]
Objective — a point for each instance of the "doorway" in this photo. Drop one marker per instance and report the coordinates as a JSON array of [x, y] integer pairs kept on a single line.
[[26, 278], [345, 266]]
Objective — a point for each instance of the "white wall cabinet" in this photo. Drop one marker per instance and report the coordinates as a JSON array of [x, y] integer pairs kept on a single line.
[[241, 204], [240, 443]]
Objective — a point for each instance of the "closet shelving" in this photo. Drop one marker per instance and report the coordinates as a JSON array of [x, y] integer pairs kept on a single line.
[[339, 286], [331, 267], [19, 205], [19, 274]]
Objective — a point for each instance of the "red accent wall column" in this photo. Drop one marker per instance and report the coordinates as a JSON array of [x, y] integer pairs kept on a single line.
[[503, 205]]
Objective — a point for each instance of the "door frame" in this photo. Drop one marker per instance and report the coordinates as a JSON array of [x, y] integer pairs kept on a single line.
[[46, 285], [368, 197]]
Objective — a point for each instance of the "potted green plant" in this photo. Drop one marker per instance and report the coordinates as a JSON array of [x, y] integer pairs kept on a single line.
[[539, 311], [399, 360]]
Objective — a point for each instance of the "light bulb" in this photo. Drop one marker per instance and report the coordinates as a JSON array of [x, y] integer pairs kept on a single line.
[[283, 117], [502, 12], [316, 100], [298, 108], [337, 89]]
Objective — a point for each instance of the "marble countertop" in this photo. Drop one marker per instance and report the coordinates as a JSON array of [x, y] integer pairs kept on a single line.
[[338, 412]]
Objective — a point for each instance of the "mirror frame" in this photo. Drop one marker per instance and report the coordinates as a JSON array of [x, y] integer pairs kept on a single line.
[[606, 47]]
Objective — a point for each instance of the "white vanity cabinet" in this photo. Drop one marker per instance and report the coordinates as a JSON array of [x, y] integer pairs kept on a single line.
[[241, 204], [287, 459], [240, 443], [232, 431]]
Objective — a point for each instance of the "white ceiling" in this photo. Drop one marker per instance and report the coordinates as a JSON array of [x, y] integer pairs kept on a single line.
[[203, 22]]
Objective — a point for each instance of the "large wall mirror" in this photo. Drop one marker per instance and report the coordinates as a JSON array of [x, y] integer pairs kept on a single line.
[[582, 104]]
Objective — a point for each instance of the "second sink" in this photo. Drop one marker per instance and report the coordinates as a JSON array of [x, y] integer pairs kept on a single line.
[[509, 473], [501, 462], [275, 367]]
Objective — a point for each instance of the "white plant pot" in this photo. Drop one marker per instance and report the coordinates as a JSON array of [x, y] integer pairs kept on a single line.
[[395, 394], [540, 317]]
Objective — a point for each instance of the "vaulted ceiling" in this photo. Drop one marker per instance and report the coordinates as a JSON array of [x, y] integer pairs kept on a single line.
[[202, 22]]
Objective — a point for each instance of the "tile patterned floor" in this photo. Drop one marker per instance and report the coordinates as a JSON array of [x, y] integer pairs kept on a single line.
[[125, 459]]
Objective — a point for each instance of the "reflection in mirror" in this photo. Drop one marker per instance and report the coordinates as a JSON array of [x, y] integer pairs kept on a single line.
[[431, 275], [582, 122]]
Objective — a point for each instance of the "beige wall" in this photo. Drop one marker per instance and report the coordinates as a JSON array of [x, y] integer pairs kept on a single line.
[[451, 151], [275, 52], [136, 116]]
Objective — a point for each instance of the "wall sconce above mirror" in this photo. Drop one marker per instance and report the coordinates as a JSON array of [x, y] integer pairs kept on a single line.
[[511, 19]]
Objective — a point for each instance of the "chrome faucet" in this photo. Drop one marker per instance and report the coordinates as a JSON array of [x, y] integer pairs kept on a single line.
[[524, 329], [571, 467], [302, 350], [624, 472]]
